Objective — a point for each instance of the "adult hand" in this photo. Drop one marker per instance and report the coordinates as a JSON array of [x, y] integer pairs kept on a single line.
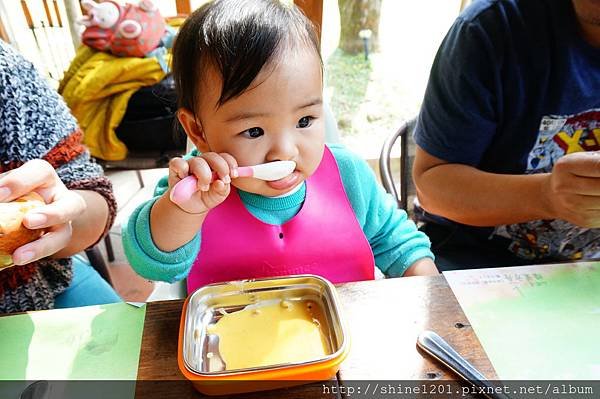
[[209, 193], [62, 206], [572, 190]]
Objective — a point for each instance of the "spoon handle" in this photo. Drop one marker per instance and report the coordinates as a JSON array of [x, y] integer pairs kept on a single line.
[[439, 349], [187, 186]]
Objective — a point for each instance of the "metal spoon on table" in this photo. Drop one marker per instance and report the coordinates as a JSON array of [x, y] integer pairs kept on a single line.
[[438, 348], [36, 390]]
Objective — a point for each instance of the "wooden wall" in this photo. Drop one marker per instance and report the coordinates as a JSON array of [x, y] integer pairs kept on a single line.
[[312, 8], [314, 11]]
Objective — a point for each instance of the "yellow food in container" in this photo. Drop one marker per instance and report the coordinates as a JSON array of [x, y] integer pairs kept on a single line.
[[261, 334]]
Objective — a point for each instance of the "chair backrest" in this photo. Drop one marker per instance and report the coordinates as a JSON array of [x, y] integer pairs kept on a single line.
[[332, 134], [387, 178]]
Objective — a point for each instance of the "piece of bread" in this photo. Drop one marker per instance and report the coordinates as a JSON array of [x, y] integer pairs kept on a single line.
[[12, 232]]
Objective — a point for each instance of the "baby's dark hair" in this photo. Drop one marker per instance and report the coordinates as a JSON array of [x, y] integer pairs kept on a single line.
[[238, 38]]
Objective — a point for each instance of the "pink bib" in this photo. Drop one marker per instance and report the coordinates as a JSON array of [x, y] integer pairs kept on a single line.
[[324, 238]]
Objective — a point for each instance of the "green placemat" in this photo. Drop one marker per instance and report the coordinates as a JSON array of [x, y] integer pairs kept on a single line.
[[535, 322], [89, 343]]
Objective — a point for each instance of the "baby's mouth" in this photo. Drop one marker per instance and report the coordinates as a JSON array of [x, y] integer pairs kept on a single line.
[[285, 183]]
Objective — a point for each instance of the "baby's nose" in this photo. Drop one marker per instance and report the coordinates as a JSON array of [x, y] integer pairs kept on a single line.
[[283, 150]]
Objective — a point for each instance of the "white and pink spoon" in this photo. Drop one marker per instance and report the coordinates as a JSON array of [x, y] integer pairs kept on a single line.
[[269, 171]]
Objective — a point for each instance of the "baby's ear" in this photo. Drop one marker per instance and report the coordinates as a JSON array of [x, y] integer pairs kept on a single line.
[[193, 129]]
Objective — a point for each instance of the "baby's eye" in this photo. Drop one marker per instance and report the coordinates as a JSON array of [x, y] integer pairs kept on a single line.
[[253, 132], [305, 122]]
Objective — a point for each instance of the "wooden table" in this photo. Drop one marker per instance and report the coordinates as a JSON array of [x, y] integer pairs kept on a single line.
[[384, 318]]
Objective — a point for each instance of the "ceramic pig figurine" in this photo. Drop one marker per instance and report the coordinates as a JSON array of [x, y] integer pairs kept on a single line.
[[126, 31]]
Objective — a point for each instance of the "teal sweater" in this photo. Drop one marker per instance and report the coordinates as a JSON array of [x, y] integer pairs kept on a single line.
[[394, 239]]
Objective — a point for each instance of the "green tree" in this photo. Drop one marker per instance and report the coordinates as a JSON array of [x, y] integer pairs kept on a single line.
[[356, 15]]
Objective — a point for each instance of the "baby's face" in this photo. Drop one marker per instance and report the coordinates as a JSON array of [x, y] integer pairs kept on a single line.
[[279, 117]]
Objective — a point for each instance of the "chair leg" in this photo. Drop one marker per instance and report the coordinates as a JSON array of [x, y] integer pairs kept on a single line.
[[109, 248], [140, 178], [97, 261]]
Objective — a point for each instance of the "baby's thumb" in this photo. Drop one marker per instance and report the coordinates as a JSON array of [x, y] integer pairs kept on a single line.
[[183, 190]]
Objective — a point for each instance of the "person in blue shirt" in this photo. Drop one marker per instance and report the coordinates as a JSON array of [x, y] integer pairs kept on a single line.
[[250, 89], [507, 167]]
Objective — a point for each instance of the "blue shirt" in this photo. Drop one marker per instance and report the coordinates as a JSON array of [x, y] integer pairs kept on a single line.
[[394, 239], [513, 88]]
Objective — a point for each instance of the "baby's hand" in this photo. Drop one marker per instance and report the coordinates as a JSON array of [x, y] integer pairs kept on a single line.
[[209, 193]]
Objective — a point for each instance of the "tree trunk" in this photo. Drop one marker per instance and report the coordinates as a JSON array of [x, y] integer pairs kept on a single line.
[[356, 15]]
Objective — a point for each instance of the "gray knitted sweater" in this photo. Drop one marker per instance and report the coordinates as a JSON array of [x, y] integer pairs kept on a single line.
[[36, 123]]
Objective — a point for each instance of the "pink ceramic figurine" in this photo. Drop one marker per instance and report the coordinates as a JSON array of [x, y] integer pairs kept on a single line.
[[126, 31]]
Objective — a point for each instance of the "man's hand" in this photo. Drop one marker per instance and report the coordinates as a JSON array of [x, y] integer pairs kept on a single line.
[[572, 190]]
